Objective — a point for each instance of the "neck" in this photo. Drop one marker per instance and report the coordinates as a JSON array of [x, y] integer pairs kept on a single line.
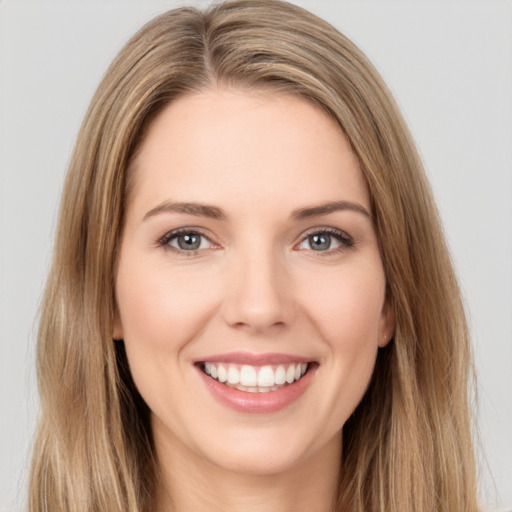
[[190, 484]]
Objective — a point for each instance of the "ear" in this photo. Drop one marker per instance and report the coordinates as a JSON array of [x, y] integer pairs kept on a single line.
[[387, 323], [117, 330]]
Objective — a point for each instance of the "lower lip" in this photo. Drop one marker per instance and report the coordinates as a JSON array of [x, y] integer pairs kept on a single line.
[[257, 403]]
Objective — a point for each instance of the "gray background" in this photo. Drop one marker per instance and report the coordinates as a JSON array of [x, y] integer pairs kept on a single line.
[[449, 63]]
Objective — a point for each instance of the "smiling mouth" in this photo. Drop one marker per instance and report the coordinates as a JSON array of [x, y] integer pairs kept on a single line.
[[255, 379]]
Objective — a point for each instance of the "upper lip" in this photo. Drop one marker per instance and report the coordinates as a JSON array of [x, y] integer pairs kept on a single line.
[[254, 359]]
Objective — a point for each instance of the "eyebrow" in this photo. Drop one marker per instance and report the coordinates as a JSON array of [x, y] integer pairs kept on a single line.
[[214, 212], [200, 210], [326, 208]]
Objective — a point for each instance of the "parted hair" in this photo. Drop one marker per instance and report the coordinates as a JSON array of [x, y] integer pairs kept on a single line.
[[407, 446]]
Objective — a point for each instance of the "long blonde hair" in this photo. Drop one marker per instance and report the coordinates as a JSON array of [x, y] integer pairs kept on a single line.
[[408, 445]]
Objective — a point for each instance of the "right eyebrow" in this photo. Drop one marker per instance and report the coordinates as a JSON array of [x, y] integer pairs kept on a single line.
[[197, 209]]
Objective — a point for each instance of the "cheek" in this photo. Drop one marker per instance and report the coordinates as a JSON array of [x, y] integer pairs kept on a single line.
[[346, 309], [350, 327], [160, 307], [162, 310], [348, 306]]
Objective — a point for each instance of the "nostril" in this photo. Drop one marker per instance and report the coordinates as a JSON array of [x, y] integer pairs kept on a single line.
[[257, 299]]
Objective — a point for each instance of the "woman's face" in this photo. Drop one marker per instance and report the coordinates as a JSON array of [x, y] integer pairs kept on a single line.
[[250, 286]]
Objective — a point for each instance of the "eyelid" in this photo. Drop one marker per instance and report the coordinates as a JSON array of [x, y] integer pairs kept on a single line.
[[346, 241], [170, 235]]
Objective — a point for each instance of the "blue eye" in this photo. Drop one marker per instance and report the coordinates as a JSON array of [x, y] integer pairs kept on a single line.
[[326, 240], [321, 242], [185, 241], [190, 242]]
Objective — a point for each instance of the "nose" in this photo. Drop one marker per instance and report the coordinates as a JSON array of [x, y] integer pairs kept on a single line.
[[259, 294]]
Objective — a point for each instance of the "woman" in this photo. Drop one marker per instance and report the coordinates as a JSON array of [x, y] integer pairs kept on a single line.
[[251, 305]]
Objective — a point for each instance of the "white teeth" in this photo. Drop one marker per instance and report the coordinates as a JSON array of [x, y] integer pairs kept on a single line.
[[222, 374], [233, 375], [280, 377], [254, 379], [266, 377], [248, 376]]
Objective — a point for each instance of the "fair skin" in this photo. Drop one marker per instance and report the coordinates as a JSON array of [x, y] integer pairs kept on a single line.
[[276, 264]]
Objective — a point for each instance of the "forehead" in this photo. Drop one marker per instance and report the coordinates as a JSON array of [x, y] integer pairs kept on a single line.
[[259, 147]]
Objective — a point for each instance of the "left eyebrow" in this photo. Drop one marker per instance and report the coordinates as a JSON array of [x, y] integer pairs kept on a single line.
[[326, 208]]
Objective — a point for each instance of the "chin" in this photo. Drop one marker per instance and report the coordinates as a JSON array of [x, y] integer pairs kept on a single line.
[[266, 452], [257, 462]]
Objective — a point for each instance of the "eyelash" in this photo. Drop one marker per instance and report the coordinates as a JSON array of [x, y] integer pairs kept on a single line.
[[345, 240], [171, 235]]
